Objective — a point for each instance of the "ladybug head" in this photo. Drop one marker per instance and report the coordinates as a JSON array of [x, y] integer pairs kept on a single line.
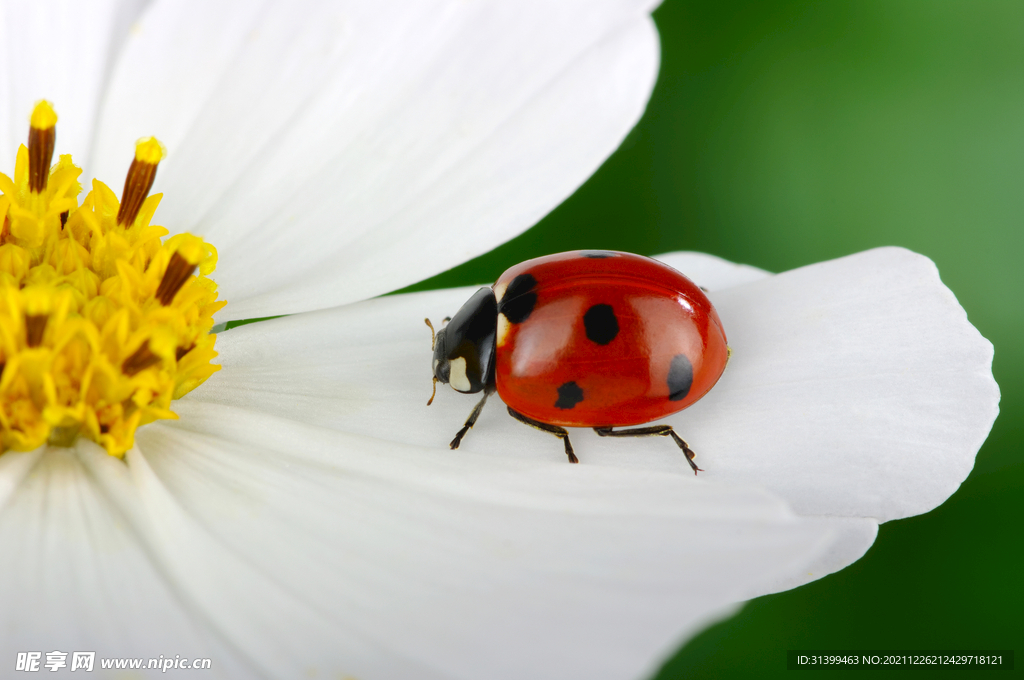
[[464, 349]]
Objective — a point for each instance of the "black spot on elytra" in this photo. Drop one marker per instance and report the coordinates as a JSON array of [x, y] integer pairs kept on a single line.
[[569, 395], [518, 301], [680, 377], [601, 324], [597, 254]]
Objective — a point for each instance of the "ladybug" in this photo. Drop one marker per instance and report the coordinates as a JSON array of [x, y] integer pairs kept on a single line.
[[598, 339]]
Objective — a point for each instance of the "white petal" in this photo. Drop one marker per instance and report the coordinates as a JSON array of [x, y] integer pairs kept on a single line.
[[339, 152], [14, 466], [60, 50], [285, 550], [77, 577], [421, 563], [857, 387], [710, 272], [851, 538], [228, 597]]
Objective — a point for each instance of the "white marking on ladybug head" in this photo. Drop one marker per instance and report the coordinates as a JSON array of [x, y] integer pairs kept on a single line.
[[457, 377], [503, 328], [499, 290]]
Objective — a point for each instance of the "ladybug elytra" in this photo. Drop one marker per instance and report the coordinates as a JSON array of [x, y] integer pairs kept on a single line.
[[598, 339]]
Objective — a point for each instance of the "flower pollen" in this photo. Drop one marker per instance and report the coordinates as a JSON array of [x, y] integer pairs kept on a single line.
[[102, 322]]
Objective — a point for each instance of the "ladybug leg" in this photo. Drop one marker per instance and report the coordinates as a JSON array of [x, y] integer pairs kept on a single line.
[[559, 432], [470, 421], [653, 431]]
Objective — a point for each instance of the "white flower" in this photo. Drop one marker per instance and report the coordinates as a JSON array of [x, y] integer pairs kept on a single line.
[[857, 391], [304, 516]]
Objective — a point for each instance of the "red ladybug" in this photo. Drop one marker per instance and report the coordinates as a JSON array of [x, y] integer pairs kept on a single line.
[[598, 339]]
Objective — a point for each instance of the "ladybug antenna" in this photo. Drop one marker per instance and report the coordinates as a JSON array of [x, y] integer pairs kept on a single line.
[[431, 401], [432, 336], [445, 320]]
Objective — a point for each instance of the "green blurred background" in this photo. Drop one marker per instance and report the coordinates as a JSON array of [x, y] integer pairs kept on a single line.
[[785, 133]]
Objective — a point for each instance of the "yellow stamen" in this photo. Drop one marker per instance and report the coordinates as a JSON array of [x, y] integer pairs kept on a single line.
[[42, 135], [150, 150], [103, 323], [148, 154], [43, 115]]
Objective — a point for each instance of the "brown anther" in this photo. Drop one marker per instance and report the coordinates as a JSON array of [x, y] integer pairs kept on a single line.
[[178, 271], [40, 153], [182, 351], [128, 407], [136, 188], [64, 218], [142, 359], [35, 326]]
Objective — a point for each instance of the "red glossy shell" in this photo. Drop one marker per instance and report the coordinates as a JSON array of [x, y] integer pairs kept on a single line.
[[660, 314]]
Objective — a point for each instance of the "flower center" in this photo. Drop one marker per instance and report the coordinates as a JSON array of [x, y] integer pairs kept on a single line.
[[102, 322]]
